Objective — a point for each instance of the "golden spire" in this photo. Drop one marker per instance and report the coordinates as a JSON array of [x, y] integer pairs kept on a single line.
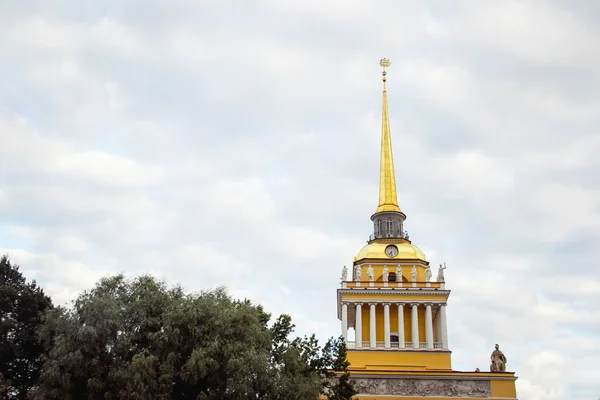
[[388, 200]]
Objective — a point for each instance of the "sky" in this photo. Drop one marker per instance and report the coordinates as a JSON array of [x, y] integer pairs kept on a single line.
[[232, 143]]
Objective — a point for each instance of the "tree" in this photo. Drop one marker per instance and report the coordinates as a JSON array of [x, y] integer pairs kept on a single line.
[[138, 339], [22, 306], [342, 387]]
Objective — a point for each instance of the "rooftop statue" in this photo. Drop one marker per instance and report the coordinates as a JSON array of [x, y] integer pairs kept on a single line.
[[440, 277], [428, 274], [497, 361], [357, 273], [413, 273], [385, 273], [399, 273], [344, 273], [370, 273]]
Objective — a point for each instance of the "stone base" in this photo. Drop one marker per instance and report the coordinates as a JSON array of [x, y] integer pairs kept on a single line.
[[422, 387], [456, 385]]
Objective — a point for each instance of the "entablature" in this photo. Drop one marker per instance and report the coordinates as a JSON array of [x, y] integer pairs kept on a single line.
[[391, 262], [397, 291], [434, 297]]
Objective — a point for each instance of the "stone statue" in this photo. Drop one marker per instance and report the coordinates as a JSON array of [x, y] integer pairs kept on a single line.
[[428, 274], [399, 273], [440, 277], [370, 273], [385, 273], [344, 273], [497, 360], [406, 235], [357, 273], [413, 273]]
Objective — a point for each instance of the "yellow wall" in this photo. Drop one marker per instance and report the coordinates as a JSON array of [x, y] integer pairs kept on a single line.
[[406, 271], [504, 389], [365, 323], [372, 360]]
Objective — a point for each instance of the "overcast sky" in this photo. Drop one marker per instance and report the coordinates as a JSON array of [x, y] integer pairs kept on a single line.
[[237, 143]]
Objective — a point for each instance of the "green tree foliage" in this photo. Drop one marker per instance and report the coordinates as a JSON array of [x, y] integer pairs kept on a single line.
[[138, 339], [342, 387], [22, 306]]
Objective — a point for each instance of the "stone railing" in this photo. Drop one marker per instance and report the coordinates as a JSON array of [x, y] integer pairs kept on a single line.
[[393, 234], [380, 284], [366, 345]]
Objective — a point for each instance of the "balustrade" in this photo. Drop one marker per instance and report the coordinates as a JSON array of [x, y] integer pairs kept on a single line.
[[394, 346], [390, 285]]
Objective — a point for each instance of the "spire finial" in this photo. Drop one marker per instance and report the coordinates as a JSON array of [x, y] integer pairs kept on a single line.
[[387, 181], [384, 62]]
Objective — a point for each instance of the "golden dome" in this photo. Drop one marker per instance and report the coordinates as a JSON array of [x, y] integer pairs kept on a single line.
[[406, 250]]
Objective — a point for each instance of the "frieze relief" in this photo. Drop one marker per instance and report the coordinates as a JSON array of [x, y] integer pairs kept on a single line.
[[422, 387]]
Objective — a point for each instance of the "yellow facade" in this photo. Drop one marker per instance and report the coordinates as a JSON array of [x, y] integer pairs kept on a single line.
[[388, 361], [393, 311]]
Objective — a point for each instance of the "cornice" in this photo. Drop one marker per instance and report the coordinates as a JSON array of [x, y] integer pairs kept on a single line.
[[391, 261], [406, 291], [451, 375]]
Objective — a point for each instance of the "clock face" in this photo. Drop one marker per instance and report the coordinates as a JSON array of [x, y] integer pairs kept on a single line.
[[391, 251]]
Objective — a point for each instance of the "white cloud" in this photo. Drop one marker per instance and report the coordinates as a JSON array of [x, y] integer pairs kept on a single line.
[[542, 33], [61, 278], [40, 154]]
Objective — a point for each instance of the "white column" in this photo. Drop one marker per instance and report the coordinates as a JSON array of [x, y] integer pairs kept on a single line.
[[429, 326], [372, 331], [401, 343], [415, 326], [358, 326], [345, 321], [444, 327], [437, 328], [386, 325]]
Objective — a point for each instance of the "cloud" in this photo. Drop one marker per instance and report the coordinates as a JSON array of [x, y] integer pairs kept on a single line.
[[216, 145]]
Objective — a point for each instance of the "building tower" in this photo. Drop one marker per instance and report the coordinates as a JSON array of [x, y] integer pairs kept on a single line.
[[398, 311]]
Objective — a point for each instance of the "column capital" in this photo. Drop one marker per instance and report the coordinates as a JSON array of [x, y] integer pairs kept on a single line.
[[387, 304], [443, 304], [428, 304], [414, 304], [373, 304], [358, 303]]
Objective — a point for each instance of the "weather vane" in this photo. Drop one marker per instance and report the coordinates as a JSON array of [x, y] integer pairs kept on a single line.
[[384, 62]]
